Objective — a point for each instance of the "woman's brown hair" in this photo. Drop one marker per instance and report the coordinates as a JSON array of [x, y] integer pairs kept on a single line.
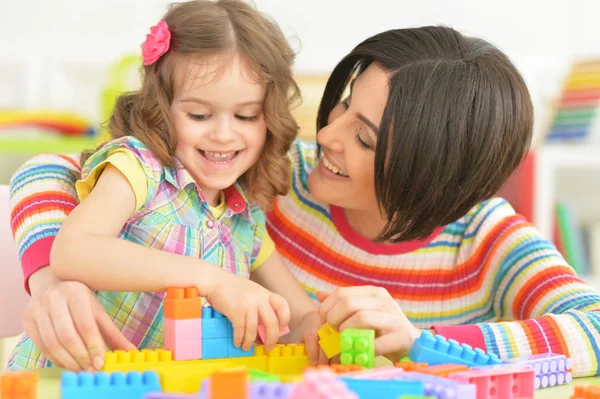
[[207, 27], [457, 122]]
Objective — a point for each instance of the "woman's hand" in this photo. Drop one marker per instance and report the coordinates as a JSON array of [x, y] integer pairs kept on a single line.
[[309, 326], [67, 323], [370, 307], [246, 303]]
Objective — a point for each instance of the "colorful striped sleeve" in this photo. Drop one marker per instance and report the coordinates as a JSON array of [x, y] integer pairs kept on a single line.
[[42, 194], [555, 310]]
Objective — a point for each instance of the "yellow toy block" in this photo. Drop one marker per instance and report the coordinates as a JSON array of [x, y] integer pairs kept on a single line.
[[329, 341], [285, 360], [189, 379]]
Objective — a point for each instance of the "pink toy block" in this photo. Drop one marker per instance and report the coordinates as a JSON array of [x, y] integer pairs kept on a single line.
[[379, 373], [262, 333], [508, 383], [183, 329], [321, 384], [185, 349]]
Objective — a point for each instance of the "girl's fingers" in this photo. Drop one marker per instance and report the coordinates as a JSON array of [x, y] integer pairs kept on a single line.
[[282, 309], [269, 320], [239, 329], [252, 328]]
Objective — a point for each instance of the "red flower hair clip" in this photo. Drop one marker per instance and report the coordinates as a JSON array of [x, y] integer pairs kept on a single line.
[[157, 43]]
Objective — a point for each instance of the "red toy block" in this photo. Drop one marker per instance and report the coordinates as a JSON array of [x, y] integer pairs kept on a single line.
[[18, 385], [229, 384], [182, 303], [262, 333], [337, 368], [182, 329], [411, 366]]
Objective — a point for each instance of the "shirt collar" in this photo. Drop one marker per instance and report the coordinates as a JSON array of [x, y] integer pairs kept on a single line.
[[235, 197]]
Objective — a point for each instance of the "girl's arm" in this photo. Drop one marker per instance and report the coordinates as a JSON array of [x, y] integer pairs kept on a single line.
[[87, 248]]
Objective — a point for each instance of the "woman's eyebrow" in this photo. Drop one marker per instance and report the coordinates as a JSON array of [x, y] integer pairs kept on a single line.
[[367, 122]]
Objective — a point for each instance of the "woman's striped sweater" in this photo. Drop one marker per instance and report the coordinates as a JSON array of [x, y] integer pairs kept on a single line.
[[470, 280]]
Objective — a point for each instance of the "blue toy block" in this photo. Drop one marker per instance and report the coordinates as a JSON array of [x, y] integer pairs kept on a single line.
[[441, 388], [132, 385], [270, 390], [215, 348], [219, 348], [215, 325], [435, 350], [384, 389]]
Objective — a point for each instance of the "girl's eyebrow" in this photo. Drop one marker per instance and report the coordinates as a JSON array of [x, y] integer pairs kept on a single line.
[[200, 101]]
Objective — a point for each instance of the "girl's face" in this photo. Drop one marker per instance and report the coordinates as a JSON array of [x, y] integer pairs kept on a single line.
[[344, 175], [217, 112]]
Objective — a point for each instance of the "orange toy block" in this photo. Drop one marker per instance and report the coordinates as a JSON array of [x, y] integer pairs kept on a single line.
[[411, 366], [182, 303], [226, 384], [18, 385], [442, 370], [338, 368], [586, 392], [284, 360]]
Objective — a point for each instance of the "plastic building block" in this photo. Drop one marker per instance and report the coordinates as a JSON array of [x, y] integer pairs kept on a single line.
[[215, 325], [416, 397], [18, 385], [441, 388], [504, 383], [586, 392], [163, 395], [114, 386], [185, 329], [182, 303], [220, 348], [552, 379], [379, 373], [262, 333], [285, 360], [262, 376], [232, 383], [358, 347], [443, 370], [262, 390], [384, 389], [407, 365], [337, 368], [329, 341], [321, 384], [437, 350], [544, 363], [186, 349]]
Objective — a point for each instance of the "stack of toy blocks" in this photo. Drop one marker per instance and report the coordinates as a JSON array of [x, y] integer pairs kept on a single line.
[[217, 337], [183, 323], [18, 385]]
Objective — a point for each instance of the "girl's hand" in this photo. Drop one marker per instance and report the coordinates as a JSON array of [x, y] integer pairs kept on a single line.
[[245, 303], [370, 307], [69, 326], [308, 330]]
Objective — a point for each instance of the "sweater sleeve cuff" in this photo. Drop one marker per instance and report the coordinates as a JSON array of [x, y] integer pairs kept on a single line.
[[35, 257], [468, 334]]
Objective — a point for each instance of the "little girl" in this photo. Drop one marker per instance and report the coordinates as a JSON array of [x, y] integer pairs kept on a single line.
[[175, 198]]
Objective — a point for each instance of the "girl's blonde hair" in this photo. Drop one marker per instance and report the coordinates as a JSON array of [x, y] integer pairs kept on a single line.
[[207, 27]]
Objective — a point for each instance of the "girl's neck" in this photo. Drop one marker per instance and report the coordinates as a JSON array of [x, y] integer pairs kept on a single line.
[[213, 197], [368, 224]]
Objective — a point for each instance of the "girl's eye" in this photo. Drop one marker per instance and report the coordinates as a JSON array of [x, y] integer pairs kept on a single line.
[[197, 117], [247, 118], [361, 143]]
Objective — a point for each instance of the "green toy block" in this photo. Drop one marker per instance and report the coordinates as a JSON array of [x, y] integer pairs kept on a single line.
[[416, 397], [258, 375], [358, 347]]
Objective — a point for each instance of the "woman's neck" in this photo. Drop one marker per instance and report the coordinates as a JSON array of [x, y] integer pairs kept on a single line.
[[368, 224]]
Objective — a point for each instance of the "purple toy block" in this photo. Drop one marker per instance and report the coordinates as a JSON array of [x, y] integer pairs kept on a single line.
[[544, 363], [552, 379], [507, 383], [183, 329], [441, 388], [186, 349], [270, 390]]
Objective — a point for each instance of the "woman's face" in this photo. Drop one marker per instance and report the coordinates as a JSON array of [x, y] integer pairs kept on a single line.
[[344, 176]]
